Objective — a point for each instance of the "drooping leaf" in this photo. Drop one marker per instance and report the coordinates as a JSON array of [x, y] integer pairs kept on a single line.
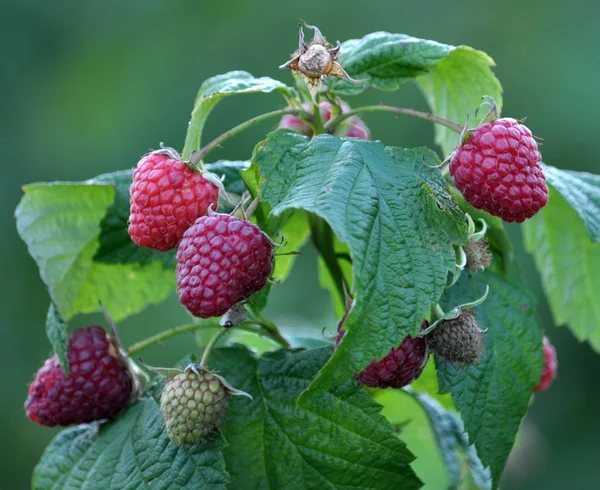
[[56, 330], [454, 88], [213, 90], [386, 61], [61, 224], [340, 440], [582, 191], [395, 215], [569, 262], [492, 396], [131, 452], [461, 458]]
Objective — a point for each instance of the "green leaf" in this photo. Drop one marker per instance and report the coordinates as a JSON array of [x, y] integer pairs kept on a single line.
[[213, 90], [340, 440], [460, 458], [395, 215], [492, 396], [386, 61], [569, 262], [454, 87], [130, 453], [61, 224], [231, 174], [582, 191], [56, 330]]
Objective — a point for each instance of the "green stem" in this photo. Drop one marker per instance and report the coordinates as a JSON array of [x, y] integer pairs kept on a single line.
[[318, 126], [270, 329], [211, 346], [322, 237], [330, 126], [202, 152], [438, 310], [162, 336]]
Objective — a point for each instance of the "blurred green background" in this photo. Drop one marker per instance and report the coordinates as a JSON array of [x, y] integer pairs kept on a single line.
[[88, 87]]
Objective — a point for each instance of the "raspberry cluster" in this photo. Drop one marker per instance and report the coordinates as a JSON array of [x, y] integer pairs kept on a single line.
[[98, 387]]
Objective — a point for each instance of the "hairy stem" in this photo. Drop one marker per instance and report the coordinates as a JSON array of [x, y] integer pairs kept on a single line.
[[331, 125], [322, 237], [211, 346], [202, 152]]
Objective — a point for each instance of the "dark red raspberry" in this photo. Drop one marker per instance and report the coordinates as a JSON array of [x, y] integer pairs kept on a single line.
[[399, 368], [166, 198], [550, 366], [221, 261], [353, 127], [99, 385], [498, 169]]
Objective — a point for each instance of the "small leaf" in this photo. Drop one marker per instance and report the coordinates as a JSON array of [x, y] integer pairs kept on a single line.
[[454, 88], [213, 90], [492, 396], [129, 453], [386, 61], [461, 459], [582, 191], [394, 213], [61, 224], [340, 440], [568, 261], [56, 330]]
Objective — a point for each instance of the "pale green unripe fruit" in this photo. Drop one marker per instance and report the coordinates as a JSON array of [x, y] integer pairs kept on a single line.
[[192, 405]]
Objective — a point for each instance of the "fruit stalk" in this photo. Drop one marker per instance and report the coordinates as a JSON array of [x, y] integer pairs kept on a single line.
[[197, 156], [397, 110], [211, 345]]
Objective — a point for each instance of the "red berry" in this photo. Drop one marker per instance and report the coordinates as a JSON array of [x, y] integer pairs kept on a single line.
[[166, 198], [99, 385], [221, 261], [498, 169], [353, 127], [550, 366], [397, 369]]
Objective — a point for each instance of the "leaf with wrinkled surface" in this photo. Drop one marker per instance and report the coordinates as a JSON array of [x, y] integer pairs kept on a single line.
[[340, 440], [129, 453], [492, 396], [394, 213]]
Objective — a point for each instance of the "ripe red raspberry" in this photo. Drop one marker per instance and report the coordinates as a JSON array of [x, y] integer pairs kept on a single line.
[[353, 127], [221, 261], [99, 385], [550, 366], [498, 169], [166, 198], [397, 369]]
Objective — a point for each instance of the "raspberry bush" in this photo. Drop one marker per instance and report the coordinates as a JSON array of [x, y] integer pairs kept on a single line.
[[412, 251]]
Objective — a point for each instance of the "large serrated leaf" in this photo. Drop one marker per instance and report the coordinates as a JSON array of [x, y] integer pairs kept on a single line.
[[454, 88], [386, 61], [569, 262], [492, 396], [582, 191], [339, 441], [395, 215], [213, 90], [61, 224], [133, 452]]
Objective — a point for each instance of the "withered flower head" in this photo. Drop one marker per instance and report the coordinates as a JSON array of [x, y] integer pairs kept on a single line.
[[316, 59]]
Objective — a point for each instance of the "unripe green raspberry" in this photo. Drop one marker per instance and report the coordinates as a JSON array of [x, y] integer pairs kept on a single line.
[[192, 405], [457, 340]]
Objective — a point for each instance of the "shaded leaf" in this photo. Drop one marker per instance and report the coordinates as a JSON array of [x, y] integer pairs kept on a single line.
[[56, 330]]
